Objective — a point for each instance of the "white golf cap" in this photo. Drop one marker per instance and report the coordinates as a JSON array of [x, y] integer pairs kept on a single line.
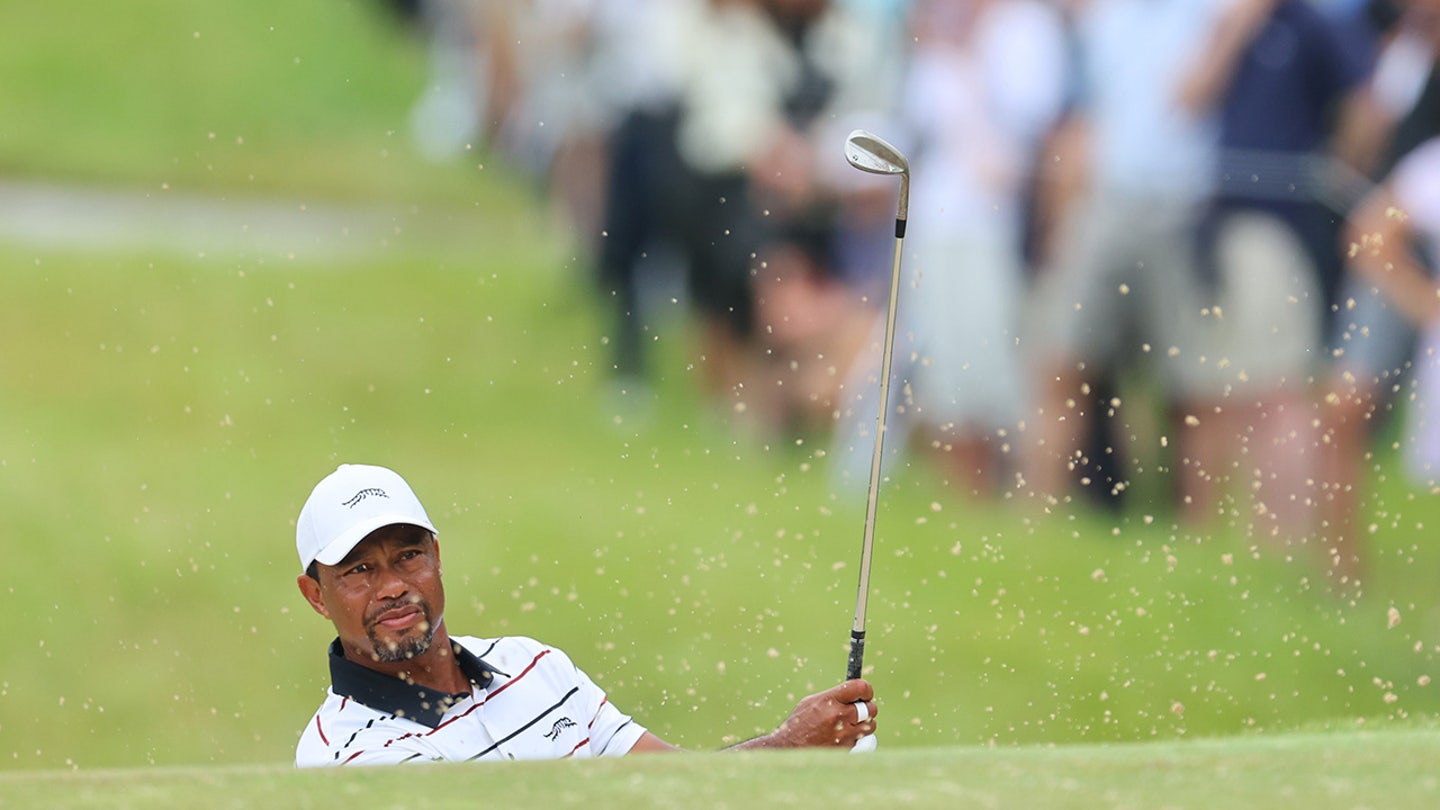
[[349, 504]]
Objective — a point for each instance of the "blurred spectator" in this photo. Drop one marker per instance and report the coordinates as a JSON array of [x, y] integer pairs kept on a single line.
[[984, 82], [1395, 233], [727, 97], [453, 108], [636, 74], [715, 126], [1103, 463], [1375, 323], [760, 82], [1121, 285], [1291, 89], [1400, 219], [553, 122], [513, 75], [816, 289]]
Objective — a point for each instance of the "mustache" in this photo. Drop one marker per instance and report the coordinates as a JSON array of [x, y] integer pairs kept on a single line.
[[395, 604]]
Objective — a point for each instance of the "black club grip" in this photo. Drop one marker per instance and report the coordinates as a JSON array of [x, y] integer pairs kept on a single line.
[[857, 655]]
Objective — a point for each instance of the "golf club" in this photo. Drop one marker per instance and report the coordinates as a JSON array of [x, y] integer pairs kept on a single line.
[[872, 154]]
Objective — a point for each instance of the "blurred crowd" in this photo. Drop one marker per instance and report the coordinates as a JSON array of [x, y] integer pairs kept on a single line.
[[1188, 234]]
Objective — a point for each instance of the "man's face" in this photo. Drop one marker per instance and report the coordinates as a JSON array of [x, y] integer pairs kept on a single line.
[[385, 598]]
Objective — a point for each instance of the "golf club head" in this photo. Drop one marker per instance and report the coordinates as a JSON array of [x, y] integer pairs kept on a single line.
[[871, 153]]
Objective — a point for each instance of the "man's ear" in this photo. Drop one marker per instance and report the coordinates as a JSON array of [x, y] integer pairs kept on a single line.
[[310, 589]]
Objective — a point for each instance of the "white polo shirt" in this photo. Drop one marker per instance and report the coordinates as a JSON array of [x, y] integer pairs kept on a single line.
[[529, 701]]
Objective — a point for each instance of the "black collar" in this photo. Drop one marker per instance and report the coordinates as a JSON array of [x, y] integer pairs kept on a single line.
[[398, 697]]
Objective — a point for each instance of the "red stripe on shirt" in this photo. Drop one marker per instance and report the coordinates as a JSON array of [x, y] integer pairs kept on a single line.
[[321, 732], [485, 699], [473, 707], [603, 700], [478, 704], [522, 674], [577, 747], [397, 739]]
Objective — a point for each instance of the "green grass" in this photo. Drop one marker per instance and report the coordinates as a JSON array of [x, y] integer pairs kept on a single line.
[[269, 96], [167, 416], [1318, 771], [162, 416]]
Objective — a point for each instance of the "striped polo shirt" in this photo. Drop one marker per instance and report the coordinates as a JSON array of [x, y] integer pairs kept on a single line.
[[529, 701]]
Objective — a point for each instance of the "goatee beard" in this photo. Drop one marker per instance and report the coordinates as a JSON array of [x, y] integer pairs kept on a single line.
[[406, 648], [402, 651]]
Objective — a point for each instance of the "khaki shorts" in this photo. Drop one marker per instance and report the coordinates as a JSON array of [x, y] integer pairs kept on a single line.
[[1267, 332], [1124, 287]]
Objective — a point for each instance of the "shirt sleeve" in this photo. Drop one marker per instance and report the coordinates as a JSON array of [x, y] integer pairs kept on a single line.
[[612, 732]]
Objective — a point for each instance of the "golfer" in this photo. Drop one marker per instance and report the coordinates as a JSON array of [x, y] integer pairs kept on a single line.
[[402, 689]]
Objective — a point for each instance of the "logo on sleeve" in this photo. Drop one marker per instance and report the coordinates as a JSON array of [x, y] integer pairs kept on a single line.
[[560, 725]]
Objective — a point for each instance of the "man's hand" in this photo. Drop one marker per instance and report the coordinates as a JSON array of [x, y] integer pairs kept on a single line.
[[830, 718]]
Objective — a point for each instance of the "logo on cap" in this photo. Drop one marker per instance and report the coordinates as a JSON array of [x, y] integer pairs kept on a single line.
[[363, 494]]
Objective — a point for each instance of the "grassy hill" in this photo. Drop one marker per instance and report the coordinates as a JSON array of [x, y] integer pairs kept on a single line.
[[264, 97], [164, 412]]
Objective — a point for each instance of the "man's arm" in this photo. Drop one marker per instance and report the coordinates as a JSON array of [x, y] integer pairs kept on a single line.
[[1381, 251], [1204, 84], [827, 719]]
